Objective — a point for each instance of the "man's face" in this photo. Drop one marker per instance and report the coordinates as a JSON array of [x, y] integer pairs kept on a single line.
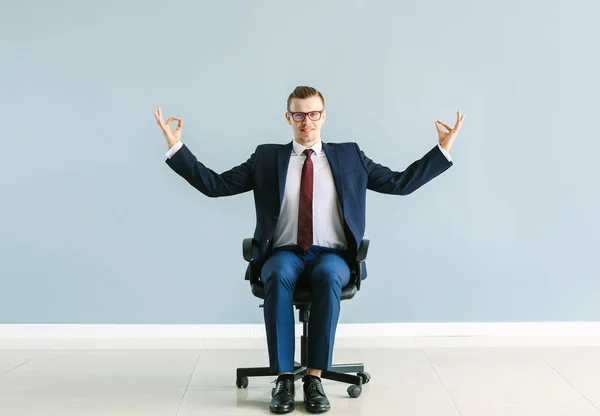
[[307, 131]]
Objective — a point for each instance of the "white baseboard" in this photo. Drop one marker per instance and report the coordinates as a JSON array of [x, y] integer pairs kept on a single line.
[[382, 334], [450, 329]]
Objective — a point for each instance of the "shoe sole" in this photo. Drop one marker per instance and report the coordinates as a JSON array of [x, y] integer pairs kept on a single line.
[[316, 409], [283, 410]]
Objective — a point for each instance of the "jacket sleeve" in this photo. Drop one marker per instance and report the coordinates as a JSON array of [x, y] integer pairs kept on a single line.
[[232, 182], [384, 180]]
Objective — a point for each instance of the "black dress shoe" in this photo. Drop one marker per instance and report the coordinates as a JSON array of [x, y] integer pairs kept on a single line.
[[314, 396], [283, 395]]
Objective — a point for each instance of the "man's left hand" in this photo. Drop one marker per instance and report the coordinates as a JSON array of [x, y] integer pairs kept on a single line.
[[447, 138]]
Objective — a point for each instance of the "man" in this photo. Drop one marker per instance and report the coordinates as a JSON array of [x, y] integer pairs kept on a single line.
[[310, 209]]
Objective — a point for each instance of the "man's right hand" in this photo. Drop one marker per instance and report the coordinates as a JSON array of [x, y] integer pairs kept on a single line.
[[172, 136]]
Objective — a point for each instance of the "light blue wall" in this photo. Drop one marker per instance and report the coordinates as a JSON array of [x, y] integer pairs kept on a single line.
[[96, 228]]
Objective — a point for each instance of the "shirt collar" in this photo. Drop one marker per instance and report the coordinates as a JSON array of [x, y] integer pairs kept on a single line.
[[299, 149]]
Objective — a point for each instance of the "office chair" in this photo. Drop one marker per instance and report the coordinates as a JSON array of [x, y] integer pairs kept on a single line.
[[302, 302]]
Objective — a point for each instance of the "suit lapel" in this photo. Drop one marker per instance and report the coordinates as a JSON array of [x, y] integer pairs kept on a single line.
[[334, 162], [283, 160]]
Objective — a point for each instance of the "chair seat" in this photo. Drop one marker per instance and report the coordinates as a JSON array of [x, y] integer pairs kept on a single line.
[[303, 294]]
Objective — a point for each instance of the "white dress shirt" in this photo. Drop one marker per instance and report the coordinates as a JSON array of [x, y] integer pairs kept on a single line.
[[328, 230]]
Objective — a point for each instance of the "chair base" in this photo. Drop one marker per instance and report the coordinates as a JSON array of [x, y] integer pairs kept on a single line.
[[338, 372]]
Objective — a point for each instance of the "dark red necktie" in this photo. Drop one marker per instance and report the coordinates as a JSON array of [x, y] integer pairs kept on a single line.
[[305, 212]]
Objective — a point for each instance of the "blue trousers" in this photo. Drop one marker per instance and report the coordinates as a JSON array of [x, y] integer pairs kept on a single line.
[[326, 272]]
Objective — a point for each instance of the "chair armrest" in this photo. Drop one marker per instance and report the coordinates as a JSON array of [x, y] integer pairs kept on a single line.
[[247, 249], [253, 269], [361, 254]]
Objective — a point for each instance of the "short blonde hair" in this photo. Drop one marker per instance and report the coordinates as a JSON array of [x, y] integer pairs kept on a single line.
[[303, 92]]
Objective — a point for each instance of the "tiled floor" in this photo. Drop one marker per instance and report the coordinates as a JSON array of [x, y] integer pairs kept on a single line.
[[200, 380]]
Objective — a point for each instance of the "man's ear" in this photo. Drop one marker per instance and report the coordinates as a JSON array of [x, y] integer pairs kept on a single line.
[[288, 118]]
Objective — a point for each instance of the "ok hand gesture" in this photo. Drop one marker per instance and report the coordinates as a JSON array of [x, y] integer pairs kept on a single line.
[[172, 136], [447, 138]]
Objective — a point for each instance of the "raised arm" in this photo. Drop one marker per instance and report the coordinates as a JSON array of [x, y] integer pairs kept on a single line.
[[232, 182], [387, 181], [384, 180]]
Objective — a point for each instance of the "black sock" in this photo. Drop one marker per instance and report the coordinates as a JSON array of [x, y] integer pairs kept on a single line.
[[287, 377]]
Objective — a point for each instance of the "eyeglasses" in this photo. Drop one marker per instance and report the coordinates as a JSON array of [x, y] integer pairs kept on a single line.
[[300, 116]]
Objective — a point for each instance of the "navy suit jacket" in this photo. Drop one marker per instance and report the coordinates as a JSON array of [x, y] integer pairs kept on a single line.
[[265, 172]]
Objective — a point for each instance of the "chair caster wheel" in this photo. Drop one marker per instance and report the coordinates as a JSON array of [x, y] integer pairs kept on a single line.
[[366, 377], [241, 382], [354, 391]]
